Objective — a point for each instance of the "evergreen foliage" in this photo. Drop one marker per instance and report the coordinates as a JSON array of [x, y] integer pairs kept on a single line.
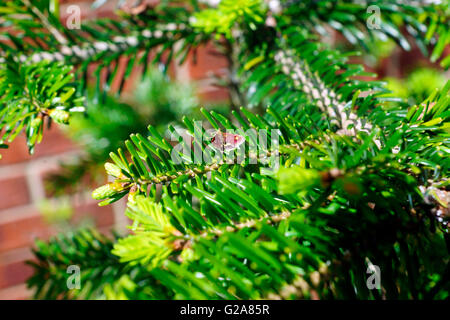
[[31, 93], [349, 177], [106, 125]]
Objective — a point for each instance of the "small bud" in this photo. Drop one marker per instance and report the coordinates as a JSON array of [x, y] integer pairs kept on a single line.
[[113, 170], [107, 191], [60, 116]]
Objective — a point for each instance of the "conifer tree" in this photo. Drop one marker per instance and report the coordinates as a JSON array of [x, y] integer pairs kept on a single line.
[[313, 185]]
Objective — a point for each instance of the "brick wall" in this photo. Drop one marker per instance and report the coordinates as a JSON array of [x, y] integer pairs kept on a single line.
[[21, 178]]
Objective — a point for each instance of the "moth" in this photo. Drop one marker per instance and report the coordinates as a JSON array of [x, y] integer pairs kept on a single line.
[[218, 140], [224, 141]]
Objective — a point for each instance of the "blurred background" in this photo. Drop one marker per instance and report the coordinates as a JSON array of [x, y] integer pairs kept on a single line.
[[50, 192]]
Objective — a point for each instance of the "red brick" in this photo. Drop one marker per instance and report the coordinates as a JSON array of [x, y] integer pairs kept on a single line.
[[17, 152], [13, 192], [23, 232], [204, 62], [13, 269], [19, 292], [14, 273], [214, 94], [53, 142]]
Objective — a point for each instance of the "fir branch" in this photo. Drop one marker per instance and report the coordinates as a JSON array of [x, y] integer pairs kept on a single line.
[[58, 36], [316, 91], [27, 98], [337, 204], [118, 44]]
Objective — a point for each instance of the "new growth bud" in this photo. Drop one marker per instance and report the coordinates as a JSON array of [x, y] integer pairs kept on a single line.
[[60, 116], [108, 190], [113, 170]]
